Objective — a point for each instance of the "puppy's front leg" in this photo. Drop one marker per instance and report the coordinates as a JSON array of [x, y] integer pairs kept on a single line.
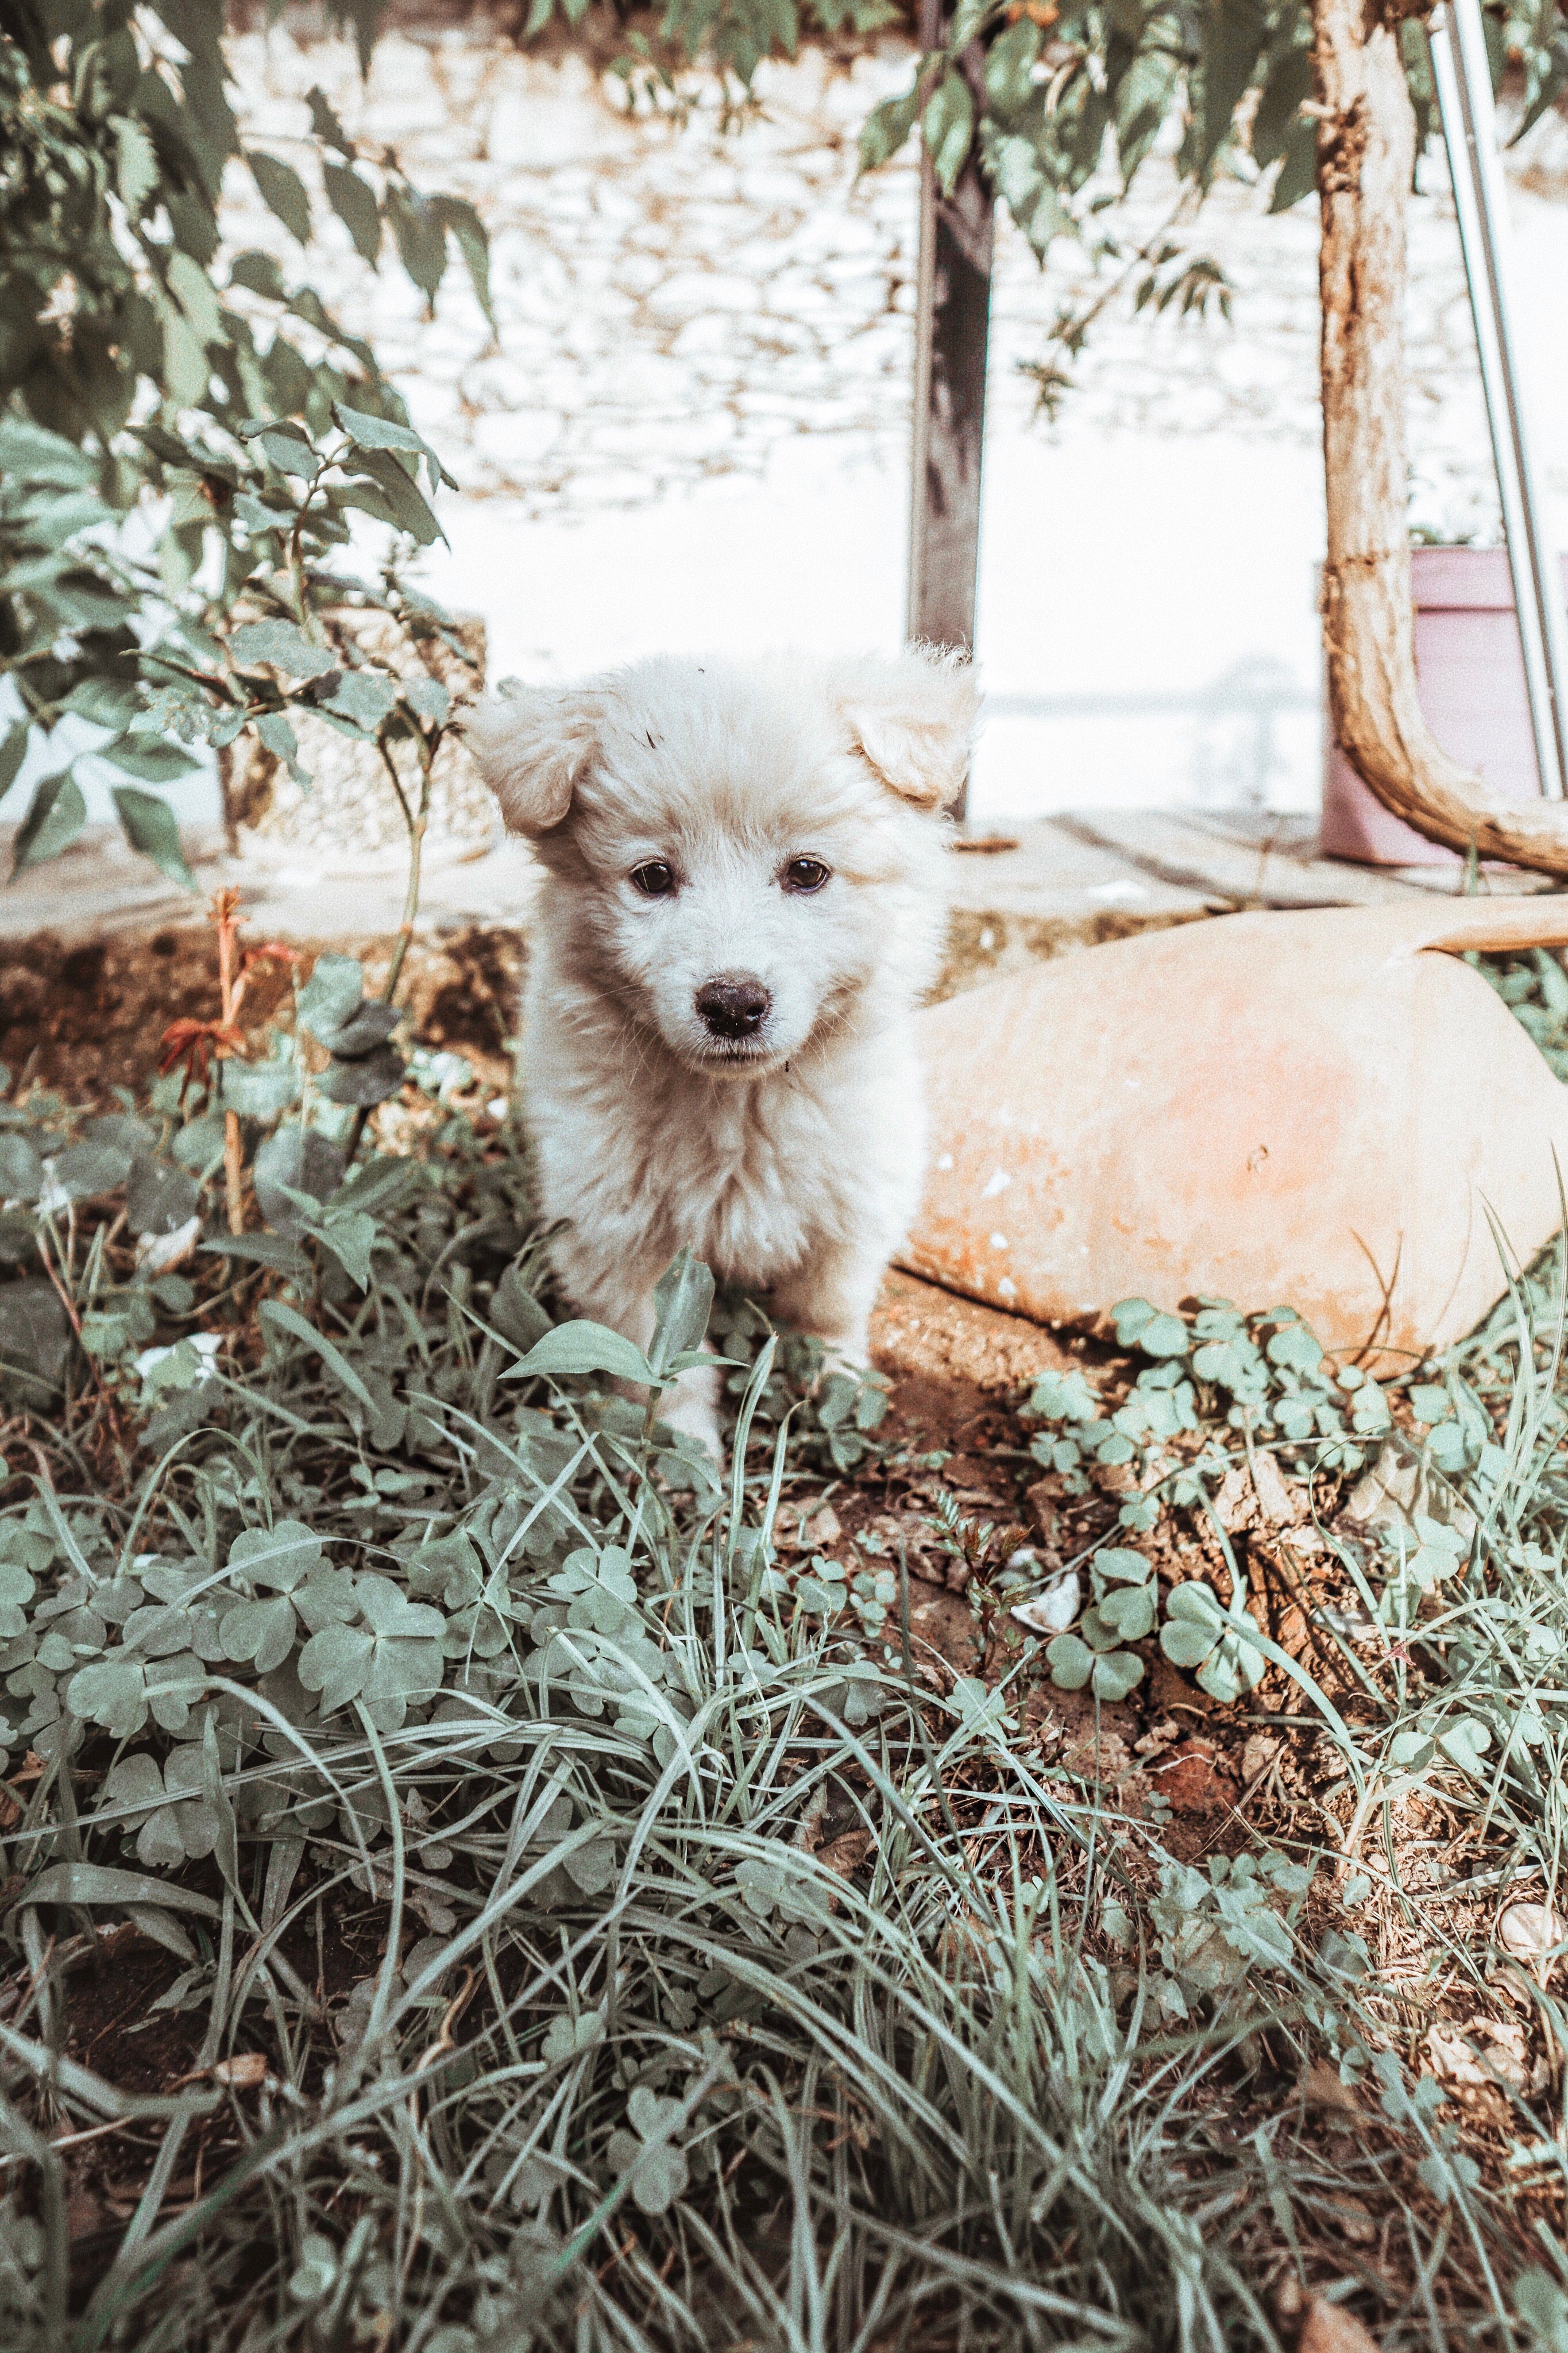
[[691, 1407], [831, 1297]]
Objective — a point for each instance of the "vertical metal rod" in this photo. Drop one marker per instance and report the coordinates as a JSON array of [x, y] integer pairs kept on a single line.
[[1463, 80], [952, 329]]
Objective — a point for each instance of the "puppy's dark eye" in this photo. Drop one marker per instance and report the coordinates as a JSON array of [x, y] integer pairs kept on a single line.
[[805, 874], [656, 880]]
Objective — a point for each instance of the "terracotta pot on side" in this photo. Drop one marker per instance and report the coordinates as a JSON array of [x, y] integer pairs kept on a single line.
[[1324, 1110], [1471, 677]]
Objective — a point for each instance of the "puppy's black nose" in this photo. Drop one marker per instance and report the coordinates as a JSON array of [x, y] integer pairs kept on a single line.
[[733, 1003]]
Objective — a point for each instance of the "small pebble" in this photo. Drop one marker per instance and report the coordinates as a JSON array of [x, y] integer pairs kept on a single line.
[[1529, 1931], [1053, 1610]]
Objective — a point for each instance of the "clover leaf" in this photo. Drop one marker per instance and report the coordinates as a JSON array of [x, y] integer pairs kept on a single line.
[[175, 1821], [1112, 1673], [260, 1632], [392, 1661], [1201, 1633], [1465, 1744], [1128, 1613], [657, 2165], [567, 2038]]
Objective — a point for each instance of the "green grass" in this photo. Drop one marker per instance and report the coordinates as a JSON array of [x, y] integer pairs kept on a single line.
[[735, 1987]]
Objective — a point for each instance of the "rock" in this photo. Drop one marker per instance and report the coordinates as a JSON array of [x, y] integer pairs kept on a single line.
[[1301, 1106], [1531, 1931], [699, 293], [1257, 1757]]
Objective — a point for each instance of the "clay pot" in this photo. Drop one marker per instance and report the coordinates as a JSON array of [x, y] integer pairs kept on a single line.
[[1470, 674], [1316, 1109]]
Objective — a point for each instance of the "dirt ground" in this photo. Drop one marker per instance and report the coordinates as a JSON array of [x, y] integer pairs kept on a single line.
[[86, 1018]]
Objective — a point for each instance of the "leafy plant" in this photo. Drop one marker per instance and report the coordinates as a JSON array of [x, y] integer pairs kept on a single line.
[[1214, 1386], [1123, 1611], [1220, 1644], [177, 458], [1534, 987]]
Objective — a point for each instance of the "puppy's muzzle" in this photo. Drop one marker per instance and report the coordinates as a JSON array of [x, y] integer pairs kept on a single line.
[[733, 1003]]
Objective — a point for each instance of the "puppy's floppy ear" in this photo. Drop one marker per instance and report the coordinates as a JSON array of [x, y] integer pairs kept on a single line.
[[532, 743], [915, 719]]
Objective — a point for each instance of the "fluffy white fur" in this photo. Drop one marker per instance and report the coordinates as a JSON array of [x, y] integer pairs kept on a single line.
[[790, 1161]]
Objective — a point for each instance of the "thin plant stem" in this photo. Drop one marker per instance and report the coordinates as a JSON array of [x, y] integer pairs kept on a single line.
[[225, 903], [303, 608], [416, 820]]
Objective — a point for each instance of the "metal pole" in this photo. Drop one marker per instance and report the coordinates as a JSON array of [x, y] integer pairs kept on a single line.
[[1463, 79], [951, 328]]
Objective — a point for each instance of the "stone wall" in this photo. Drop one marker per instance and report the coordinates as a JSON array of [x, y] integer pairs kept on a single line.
[[675, 299]]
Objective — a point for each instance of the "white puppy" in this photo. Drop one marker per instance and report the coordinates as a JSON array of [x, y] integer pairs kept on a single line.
[[744, 905]]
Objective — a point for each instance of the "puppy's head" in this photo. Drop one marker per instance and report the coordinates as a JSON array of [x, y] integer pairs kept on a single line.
[[747, 856]]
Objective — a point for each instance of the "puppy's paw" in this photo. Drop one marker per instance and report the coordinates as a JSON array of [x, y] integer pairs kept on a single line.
[[842, 1352], [691, 1410]]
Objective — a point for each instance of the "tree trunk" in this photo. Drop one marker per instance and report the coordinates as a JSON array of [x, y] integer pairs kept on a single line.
[[1366, 154], [952, 332]]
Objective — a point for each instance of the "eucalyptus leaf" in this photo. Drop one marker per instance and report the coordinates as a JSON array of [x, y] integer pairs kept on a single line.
[[84, 1170], [332, 996], [159, 1199], [368, 1025], [284, 646], [21, 1169], [258, 1090]]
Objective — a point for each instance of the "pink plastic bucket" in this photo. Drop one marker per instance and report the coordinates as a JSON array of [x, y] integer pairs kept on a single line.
[[1471, 677]]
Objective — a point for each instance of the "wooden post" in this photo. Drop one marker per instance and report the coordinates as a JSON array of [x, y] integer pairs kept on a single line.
[[951, 324]]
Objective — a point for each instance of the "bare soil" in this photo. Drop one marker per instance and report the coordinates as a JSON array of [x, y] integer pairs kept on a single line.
[[87, 1016]]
